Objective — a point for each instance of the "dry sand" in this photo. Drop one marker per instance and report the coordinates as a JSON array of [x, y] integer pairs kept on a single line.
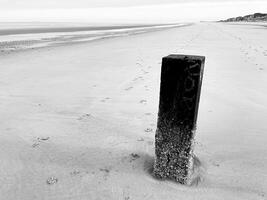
[[78, 121]]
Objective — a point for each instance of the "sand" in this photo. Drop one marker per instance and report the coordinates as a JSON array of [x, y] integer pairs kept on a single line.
[[78, 121]]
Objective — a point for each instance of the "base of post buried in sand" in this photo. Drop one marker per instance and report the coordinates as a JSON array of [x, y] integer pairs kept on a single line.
[[181, 78]]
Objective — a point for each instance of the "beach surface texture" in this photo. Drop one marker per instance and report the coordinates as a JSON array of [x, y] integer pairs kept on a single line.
[[78, 120]]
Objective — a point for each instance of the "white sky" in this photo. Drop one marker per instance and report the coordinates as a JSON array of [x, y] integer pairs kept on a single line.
[[124, 11]]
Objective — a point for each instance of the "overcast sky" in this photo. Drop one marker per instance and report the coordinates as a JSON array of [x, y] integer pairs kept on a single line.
[[123, 11]]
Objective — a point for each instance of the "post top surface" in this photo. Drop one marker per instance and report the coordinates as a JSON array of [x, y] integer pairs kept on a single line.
[[189, 57]]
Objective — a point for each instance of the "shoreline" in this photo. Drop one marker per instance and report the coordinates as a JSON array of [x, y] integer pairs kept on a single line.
[[73, 28], [48, 37]]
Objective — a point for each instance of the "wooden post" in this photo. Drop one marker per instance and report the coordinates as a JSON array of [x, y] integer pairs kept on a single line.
[[181, 78]]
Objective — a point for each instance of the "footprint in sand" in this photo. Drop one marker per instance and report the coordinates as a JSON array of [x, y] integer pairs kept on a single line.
[[129, 88], [104, 100], [85, 116], [126, 193], [35, 145], [43, 138], [130, 158], [148, 130], [75, 172], [215, 163], [261, 68], [137, 78], [146, 87], [147, 113], [139, 64], [144, 72], [134, 156], [51, 180], [106, 172], [39, 140], [143, 101]]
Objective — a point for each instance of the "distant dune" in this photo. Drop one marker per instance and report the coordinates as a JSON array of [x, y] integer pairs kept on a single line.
[[256, 17]]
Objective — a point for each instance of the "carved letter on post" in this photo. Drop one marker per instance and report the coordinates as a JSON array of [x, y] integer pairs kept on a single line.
[[181, 78]]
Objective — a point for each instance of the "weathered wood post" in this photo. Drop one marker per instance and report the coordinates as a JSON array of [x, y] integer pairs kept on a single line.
[[181, 78]]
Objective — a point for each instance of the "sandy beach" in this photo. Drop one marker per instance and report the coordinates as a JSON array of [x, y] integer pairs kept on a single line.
[[78, 121]]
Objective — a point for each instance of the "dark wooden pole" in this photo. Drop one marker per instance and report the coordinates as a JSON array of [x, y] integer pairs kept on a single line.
[[181, 78]]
